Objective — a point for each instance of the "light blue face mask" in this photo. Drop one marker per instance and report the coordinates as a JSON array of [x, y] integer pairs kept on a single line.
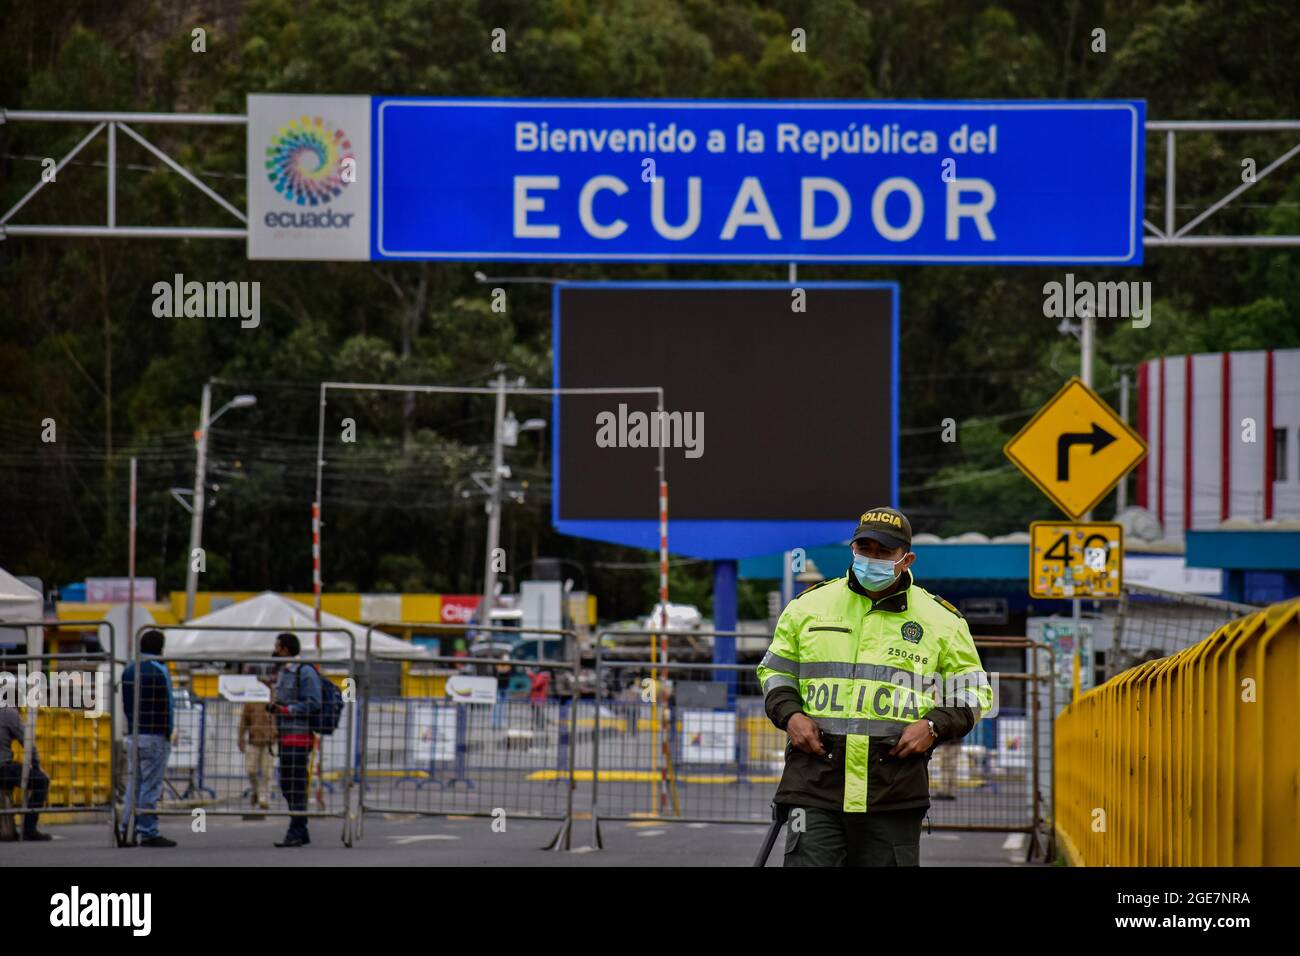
[[875, 574]]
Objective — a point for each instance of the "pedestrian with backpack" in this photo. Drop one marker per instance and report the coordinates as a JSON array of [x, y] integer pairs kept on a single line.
[[297, 704]]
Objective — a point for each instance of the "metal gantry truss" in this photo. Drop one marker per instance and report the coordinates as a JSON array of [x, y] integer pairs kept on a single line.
[[1171, 235], [1174, 235], [111, 123]]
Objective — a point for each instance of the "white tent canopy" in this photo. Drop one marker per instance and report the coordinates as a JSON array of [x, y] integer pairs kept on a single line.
[[273, 610], [19, 602]]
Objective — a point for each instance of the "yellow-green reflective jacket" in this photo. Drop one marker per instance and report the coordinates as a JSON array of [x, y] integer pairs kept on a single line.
[[863, 671]]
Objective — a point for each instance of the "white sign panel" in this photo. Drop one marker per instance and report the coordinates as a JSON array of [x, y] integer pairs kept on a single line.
[[1172, 574], [472, 690], [118, 590], [431, 733], [185, 748], [309, 175], [1013, 742], [708, 736], [243, 688]]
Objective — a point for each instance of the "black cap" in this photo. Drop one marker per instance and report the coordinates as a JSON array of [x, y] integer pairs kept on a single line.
[[889, 526]]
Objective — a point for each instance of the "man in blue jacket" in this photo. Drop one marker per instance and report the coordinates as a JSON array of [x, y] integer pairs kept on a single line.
[[157, 721], [297, 700]]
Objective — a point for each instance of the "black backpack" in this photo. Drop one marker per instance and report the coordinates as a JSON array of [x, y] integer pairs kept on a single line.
[[326, 720]]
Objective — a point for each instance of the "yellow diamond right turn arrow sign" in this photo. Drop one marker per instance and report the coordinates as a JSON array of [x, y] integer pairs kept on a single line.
[[1076, 448]]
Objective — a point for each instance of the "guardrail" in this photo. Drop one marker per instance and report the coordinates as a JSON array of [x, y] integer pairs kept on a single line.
[[1189, 760]]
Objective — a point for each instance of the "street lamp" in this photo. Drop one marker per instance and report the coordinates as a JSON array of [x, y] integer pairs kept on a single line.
[[239, 401], [200, 474], [506, 432], [511, 427]]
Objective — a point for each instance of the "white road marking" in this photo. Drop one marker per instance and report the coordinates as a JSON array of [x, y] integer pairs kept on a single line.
[[1014, 841], [421, 837], [646, 833]]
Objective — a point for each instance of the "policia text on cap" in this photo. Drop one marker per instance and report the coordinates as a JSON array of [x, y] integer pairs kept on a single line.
[[852, 676]]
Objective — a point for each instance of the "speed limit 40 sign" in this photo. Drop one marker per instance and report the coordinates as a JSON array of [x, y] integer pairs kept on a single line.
[[1076, 559]]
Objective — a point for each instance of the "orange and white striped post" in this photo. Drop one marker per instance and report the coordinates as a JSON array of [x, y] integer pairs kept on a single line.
[[316, 598], [665, 741], [315, 564], [663, 551]]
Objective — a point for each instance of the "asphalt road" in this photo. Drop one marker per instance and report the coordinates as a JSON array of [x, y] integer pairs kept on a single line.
[[404, 840]]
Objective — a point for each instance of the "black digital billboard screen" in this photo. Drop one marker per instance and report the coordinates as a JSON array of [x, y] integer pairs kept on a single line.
[[780, 401]]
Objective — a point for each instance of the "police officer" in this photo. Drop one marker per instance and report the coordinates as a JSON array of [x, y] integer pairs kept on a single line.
[[866, 673]]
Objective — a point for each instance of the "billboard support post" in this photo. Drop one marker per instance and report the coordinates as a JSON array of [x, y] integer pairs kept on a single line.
[[494, 505], [724, 620], [499, 389]]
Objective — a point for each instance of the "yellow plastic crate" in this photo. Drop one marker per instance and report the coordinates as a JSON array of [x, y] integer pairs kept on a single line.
[[204, 683], [75, 753], [422, 684]]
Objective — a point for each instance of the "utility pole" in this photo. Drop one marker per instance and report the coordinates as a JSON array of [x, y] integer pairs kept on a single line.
[[494, 501], [200, 479], [1087, 345], [130, 557], [196, 505], [1121, 493], [1087, 348]]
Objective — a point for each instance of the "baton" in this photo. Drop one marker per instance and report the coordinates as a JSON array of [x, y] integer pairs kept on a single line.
[[780, 813]]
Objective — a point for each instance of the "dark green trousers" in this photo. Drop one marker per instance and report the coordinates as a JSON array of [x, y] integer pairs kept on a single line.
[[835, 838]]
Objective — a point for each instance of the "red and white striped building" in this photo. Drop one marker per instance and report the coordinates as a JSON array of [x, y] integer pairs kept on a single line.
[[1195, 412]]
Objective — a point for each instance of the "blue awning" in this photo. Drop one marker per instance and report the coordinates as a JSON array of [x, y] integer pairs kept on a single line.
[[1253, 550]]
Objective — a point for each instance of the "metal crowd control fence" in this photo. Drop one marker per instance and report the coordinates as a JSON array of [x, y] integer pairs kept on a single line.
[[670, 743], [999, 775], [1189, 760], [211, 765], [72, 726], [1151, 624], [473, 736], [658, 754], [688, 742]]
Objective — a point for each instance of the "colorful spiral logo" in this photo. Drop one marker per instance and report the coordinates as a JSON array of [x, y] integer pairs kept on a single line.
[[304, 161]]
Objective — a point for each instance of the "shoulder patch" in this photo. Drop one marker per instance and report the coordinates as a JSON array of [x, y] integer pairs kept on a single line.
[[814, 587], [949, 606]]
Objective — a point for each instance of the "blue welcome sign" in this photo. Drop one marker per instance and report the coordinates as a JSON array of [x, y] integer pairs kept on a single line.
[[1018, 182]]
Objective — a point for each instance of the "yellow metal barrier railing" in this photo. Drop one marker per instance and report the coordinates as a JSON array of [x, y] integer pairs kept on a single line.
[[1191, 760]]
